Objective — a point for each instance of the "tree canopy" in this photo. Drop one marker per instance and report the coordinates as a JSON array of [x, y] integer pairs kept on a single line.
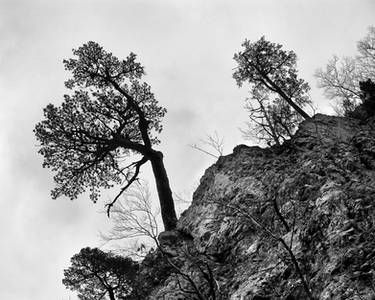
[[278, 96], [94, 274], [109, 115]]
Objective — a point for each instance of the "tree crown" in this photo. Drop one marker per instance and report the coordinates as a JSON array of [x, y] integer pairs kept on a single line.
[[266, 64], [94, 273], [109, 115], [277, 94]]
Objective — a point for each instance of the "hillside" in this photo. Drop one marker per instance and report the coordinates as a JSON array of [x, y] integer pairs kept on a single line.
[[316, 194]]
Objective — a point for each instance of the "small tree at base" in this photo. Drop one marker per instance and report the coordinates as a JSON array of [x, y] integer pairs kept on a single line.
[[95, 274], [109, 116]]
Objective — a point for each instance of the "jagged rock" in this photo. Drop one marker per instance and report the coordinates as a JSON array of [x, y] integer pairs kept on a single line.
[[322, 182]]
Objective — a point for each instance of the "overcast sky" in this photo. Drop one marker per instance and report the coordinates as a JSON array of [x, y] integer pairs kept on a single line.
[[187, 48]]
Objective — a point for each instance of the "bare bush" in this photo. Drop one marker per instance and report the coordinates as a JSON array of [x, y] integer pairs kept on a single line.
[[135, 219], [212, 145]]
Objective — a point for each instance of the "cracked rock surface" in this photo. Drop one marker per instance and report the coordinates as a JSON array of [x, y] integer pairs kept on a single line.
[[322, 183]]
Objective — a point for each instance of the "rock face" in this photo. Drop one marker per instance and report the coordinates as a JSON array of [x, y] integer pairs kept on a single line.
[[316, 193]]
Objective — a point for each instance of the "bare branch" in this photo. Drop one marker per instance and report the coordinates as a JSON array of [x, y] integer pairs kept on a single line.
[[214, 142], [340, 78], [243, 212], [129, 182]]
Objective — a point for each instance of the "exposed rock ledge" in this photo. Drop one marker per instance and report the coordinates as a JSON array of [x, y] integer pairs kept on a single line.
[[323, 182]]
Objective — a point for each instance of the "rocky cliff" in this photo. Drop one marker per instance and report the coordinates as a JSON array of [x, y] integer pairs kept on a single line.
[[296, 222]]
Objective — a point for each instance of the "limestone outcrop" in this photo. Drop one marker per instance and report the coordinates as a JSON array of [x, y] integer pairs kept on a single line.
[[316, 193]]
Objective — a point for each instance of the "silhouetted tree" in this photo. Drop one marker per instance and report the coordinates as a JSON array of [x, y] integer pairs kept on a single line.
[[109, 116], [265, 65], [95, 274], [277, 94], [340, 79]]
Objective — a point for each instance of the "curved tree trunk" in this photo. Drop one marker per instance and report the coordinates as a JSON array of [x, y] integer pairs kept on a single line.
[[168, 212]]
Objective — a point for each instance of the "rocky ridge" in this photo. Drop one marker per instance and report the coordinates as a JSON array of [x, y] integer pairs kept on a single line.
[[316, 193]]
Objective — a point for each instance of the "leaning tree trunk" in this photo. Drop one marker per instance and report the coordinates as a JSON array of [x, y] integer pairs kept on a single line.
[[168, 212], [111, 294], [288, 99]]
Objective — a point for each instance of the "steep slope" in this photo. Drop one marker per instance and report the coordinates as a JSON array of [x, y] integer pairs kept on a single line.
[[316, 193]]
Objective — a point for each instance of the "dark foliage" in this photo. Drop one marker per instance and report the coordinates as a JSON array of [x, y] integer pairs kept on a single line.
[[368, 96], [277, 94], [95, 274], [109, 116], [154, 270], [367, 108]]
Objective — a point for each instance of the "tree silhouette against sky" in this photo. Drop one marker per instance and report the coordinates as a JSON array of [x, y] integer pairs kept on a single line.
[[95, 274], [109, 115], [269, 68], [277, 96]]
